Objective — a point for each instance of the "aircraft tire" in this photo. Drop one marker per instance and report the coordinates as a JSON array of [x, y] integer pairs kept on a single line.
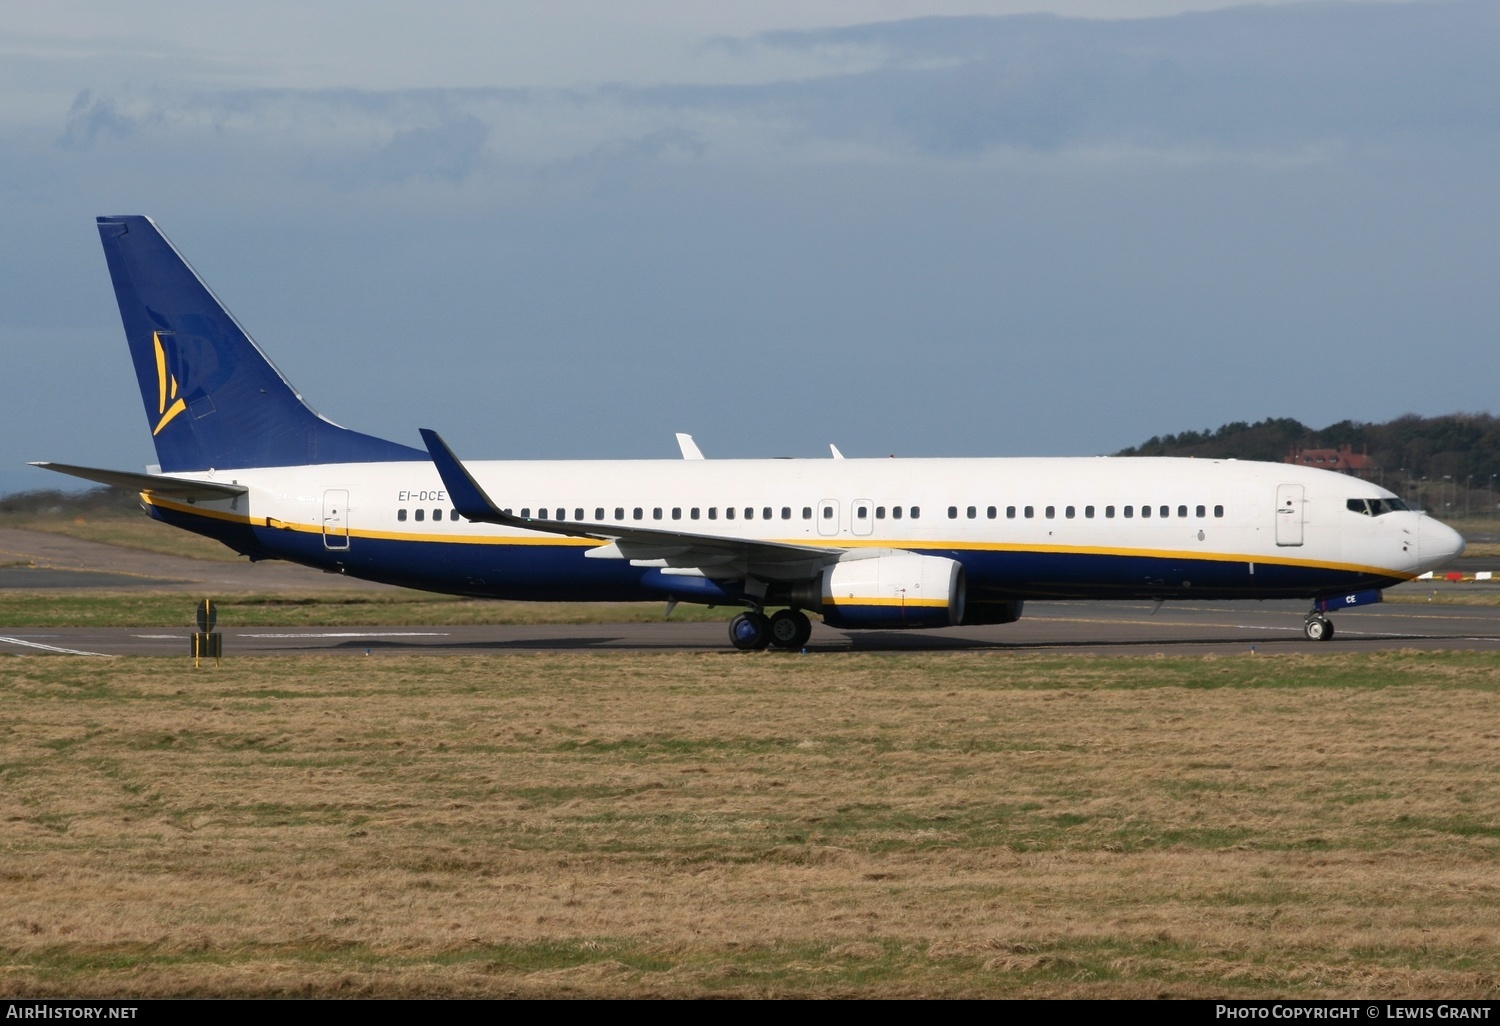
[[790, 629], [1318, 629], [749, 632]]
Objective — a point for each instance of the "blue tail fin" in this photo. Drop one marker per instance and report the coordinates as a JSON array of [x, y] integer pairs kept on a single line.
[[212, 398]]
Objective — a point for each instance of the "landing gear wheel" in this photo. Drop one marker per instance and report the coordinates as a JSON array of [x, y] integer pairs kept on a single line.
[[1317, 629], [790, 629], [749, 631]]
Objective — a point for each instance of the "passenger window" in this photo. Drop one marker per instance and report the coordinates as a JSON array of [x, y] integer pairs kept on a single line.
[[806, 512], [952, 512], [676, 512], [693, 513], [1068, 512], [598, 512], [971, 512], [1088, 512], [1109, 512], [766, 513], [578, 514], [916, 511], [638, 513], [1182, 511], [895, 512], [1030, 512], [619, 512], [1165, 511], [713, 512], [989, 512], [749, 512], [879, 512], [786, 512], [1200, 511], [1129, 512], [525, 513], [1218, 511], [862, 512], [827, 512], [728, 512], [1010, 512], [1051, 512], [437, 514], [1145, 511], [417, 514], [453, 514], [656, 513], [401, 515]]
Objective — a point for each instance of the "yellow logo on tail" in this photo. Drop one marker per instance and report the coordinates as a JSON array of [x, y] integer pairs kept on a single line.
[[163, 391]]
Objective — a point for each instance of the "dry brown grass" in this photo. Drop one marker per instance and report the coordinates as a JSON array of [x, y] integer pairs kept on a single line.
[[689, 824]]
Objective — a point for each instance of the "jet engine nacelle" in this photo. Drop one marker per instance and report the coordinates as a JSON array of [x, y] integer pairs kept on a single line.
[[902, 590]]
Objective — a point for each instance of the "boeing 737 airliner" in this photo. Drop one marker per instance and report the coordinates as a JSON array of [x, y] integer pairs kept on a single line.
[[888, 543]]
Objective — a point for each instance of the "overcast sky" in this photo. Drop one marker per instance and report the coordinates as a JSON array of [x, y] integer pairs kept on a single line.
[[567, 230]]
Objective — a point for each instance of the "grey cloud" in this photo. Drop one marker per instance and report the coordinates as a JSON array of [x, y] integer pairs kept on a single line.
[[90, 117], [449, 152], [1281, 76]]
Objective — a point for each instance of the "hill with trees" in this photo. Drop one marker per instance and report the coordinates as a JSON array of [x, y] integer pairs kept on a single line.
[[1451, 461]]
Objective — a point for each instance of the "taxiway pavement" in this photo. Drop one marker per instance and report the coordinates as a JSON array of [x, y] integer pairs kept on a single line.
[[1093, 628]]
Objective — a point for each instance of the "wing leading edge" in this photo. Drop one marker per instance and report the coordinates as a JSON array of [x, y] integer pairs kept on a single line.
[[644, 546]]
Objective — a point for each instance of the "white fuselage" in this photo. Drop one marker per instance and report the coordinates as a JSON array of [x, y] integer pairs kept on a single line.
[[1021, 527]]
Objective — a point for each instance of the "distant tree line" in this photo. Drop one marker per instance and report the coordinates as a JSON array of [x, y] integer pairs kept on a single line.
[[53, 502], [1463, 448]]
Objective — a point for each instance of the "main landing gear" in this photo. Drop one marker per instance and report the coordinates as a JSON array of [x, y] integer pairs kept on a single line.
[[787, 629], [1317, 627]]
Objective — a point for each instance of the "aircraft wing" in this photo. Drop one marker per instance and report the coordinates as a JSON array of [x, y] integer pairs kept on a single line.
[[644, 546], [156, 484]]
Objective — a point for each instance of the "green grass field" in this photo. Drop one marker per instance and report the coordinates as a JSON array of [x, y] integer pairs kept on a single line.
[[720, 824]]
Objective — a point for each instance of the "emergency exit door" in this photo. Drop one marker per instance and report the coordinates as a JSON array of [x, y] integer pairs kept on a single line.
[[336, 519]]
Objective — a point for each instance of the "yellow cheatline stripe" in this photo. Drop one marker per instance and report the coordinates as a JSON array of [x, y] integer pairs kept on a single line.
[[1089, 550], [840, 600], [177, 408], [461, 539]]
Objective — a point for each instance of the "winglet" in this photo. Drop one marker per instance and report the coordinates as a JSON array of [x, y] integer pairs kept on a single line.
[[690, 450], [835, 450], [467, 497]]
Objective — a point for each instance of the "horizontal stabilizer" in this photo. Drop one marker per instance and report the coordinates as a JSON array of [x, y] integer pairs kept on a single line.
[[156, 484]]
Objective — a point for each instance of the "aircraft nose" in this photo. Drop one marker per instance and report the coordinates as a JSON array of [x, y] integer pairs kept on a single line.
[[1438, 544]]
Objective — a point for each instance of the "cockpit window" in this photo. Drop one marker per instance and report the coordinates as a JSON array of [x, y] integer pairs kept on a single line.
[[1375, 507]]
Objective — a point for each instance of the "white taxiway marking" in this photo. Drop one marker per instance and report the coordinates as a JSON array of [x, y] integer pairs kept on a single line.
[[357, 634], [161, 637], [54, 648]]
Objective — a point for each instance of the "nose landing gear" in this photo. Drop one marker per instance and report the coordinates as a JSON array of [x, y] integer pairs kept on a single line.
[[1317, 627]]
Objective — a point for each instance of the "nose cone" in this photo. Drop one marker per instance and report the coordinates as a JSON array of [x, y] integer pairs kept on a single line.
[[1437, 544]]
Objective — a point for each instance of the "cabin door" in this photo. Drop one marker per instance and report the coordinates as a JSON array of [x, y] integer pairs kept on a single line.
[[1290, 510], [336, 519], [862, 516]]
